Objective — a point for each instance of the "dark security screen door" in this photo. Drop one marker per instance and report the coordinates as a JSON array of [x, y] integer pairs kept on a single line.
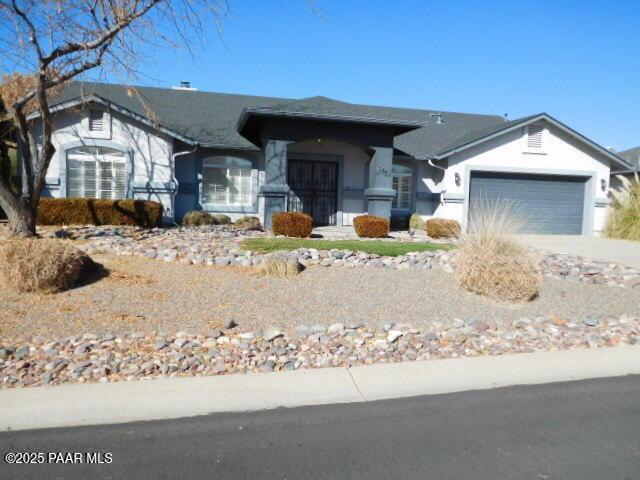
[[550, 204], [314, 190]]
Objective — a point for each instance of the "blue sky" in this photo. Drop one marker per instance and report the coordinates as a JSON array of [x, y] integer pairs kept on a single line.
[[577, 60]]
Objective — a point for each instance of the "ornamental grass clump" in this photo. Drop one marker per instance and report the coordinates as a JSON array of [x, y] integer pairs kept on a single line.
[[416, 222], [292, 224], [41, 265], [442, 228], [623, 219], [280, 264], [370, 226], [248, 223], [198, 218], [490, 262]]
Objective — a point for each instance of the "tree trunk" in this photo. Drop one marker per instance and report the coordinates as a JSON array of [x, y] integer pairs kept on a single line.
[[22, 219]]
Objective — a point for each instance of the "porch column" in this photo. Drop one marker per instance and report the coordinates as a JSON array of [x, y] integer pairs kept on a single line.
[[275, 188], [380, 194]]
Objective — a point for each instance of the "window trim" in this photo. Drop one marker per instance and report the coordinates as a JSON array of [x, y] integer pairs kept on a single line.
[[64, 165], [251, 163], [96, 159], [410, 172]]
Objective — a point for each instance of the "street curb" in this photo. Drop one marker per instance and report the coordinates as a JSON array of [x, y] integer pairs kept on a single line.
[[121, 402]]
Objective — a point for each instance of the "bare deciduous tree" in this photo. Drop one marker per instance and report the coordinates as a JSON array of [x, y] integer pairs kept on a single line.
[[50, 42]]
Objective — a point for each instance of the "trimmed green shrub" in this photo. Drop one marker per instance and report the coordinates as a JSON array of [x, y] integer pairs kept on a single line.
[[370, 226], [416, 222], [91, 211], [442, 228], [292, 224], [248, 223]]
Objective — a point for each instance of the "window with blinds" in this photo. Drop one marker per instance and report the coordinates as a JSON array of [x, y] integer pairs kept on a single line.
[[226, 181], [96, 120], [96, 172], [402, 181], [534, 136]]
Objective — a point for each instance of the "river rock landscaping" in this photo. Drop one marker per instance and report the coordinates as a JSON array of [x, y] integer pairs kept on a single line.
[[110, 358], [222, 246]]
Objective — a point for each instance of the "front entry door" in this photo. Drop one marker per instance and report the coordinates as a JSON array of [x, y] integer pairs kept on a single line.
[[314, 190]]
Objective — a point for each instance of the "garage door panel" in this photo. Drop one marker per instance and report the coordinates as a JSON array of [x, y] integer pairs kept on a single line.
[[549, 204]]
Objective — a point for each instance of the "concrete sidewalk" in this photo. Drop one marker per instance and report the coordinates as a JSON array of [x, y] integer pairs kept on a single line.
[[624, 252], [93, 404]]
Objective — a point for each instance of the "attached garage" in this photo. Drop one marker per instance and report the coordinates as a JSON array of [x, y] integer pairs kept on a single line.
[[550, 204]]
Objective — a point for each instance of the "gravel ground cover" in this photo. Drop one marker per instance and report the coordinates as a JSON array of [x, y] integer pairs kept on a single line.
[[142, 295], [110, 358]]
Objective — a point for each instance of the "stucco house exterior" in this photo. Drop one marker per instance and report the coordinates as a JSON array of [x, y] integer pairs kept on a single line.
[[248, 155]]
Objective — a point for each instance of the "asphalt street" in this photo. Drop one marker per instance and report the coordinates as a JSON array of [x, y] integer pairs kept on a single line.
[[579, 430]]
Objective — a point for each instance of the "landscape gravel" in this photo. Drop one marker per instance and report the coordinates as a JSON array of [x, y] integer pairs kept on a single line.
[[146, 295], [221, 246], [40, 360]]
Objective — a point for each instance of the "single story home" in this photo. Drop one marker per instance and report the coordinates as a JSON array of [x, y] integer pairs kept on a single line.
[[632, 156], [249, 155]]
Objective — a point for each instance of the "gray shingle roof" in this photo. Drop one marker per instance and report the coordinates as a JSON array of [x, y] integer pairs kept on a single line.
[[632, 156], [211, 118]]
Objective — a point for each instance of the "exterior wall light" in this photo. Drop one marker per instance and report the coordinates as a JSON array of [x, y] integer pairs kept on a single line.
[[320, 142], [457, 179], [603, 184]]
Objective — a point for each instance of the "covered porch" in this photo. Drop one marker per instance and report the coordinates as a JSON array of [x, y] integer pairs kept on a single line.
[[333, 168]]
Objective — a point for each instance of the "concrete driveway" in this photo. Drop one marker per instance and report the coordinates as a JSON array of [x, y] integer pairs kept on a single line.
[[594, 248]]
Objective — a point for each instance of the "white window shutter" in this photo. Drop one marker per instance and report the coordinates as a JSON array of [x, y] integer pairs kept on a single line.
[[534, 136]]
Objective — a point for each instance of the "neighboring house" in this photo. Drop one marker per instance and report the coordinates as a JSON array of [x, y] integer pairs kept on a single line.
[[247, 155], [632, 156]]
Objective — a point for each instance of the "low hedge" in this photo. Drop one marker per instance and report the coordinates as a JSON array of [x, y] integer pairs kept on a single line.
[[416, 222], [292, 224], [91, 211], [370, 226], [442, 228]]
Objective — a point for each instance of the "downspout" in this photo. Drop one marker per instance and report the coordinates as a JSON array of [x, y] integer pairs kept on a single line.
[[173, 162]]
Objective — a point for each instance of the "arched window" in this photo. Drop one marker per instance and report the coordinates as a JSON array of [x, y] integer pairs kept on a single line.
[[226, 181], [96, 172], [402, 184]]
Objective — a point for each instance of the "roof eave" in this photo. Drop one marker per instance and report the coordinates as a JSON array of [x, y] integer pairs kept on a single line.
[[118, 108], [542, 116], [262, 112]]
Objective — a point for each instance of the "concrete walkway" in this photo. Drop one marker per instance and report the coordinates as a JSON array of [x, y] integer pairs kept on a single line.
[[623, 252], [121, 402]]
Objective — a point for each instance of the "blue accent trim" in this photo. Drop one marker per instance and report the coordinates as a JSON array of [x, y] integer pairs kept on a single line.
[[153, 187], [93, 142], [427, 196]]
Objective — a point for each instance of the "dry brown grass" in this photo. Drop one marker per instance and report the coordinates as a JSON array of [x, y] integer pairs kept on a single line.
[[623, 219], [248, 223], [491, 262], [35, 265], [280, 264], [442, 228]]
